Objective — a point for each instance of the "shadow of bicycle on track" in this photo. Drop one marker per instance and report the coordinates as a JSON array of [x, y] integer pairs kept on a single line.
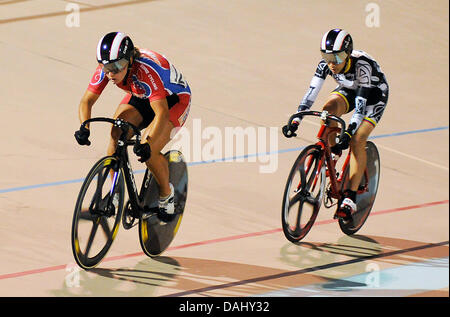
[[142, 280], [358, 255], [326, 265]]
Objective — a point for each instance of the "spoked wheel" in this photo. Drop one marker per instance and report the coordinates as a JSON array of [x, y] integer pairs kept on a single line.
[[303, 194], [98, 212], [158, 231], [367, 193]]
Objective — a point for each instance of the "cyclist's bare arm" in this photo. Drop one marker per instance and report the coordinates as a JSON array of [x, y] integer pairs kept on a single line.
[[85, 108]]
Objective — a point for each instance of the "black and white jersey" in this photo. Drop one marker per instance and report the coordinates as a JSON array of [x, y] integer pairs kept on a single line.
[[362, 75]]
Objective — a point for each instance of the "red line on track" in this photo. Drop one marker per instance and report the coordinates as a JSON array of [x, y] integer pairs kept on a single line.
[[200, 243]]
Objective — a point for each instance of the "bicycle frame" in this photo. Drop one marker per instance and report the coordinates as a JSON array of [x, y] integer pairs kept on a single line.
[[323, 136], [130, 181], [324, 132]]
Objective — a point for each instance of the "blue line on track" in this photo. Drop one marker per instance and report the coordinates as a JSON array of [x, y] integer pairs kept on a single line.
[[225, 159]]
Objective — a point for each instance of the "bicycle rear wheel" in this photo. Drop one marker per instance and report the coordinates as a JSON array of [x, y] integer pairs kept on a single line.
[[303, 193], [98, 212], [156, 233], [366, 199]]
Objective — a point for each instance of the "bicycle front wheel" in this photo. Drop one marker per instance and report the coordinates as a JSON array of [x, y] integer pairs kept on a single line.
[[98, 212], [303, 193]]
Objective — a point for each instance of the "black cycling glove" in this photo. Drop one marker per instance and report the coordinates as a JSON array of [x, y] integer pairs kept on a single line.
[[344, 142], [143, 151], [289, 130], [82, 136]]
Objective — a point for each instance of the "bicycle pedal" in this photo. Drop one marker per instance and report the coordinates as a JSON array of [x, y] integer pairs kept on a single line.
[[165, 217], [341, 213], [148, 213], [152, 219]]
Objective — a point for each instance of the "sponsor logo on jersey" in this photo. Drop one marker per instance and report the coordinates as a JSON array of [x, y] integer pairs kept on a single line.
[[98, 77], [141, 89]]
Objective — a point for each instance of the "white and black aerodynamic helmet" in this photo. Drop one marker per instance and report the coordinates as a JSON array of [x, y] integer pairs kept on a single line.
[[113, 47], [336, 46]]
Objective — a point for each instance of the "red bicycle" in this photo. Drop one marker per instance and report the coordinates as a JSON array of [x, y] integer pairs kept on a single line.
[[317, 174]]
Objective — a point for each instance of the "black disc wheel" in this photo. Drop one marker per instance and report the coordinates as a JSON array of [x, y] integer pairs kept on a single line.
[[367, 193], [157, 232]]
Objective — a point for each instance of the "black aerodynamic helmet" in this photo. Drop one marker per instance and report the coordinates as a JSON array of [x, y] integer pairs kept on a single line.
[[336, 46], [113, 47]]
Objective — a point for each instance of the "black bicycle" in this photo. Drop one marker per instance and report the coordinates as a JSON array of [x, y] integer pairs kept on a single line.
[[101, 207]]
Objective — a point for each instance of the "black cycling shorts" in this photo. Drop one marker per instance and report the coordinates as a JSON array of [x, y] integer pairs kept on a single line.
[[144, 108], [376, 102]]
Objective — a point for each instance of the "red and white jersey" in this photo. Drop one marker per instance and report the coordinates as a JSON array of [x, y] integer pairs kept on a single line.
[[151, 76]]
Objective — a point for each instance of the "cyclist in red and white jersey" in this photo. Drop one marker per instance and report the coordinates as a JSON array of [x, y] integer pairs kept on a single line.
[[157, 100], [362, 87]]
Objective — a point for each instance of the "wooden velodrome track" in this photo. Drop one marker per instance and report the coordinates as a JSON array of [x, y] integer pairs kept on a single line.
[[248, 63]]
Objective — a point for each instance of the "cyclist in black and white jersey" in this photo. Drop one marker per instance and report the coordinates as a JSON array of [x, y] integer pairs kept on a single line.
[[362, 87]]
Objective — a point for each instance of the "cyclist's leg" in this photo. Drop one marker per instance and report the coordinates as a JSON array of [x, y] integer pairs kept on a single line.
[[376, 104], [358, 158], [157, 163], [128, 111], [338, 104]]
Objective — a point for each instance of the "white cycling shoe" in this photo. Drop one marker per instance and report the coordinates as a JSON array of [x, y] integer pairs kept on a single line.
[[167, 204], [346, 209]]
